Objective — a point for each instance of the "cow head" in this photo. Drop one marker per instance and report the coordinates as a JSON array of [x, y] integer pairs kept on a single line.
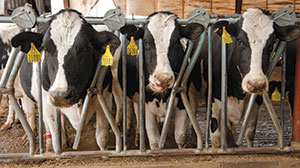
[[253, 38], [163, 52], [71, 51]]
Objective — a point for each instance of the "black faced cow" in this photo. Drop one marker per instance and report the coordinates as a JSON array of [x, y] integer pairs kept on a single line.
[[71, 49], [247, 59], [163, 56]]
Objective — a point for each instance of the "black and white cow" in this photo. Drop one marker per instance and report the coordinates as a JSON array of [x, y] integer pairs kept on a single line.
[[247, 59], [71, 49], [163, 55]]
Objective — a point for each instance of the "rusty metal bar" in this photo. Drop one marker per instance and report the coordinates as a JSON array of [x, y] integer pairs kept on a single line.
[[296, 123], [283, 82]]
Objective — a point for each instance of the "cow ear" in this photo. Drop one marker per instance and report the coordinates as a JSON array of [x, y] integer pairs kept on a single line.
[[104, 38], [287, 33], [230, 28], [192, 31], [132, 30], [25, 38]]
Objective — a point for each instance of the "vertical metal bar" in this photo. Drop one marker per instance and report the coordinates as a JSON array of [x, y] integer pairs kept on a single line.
[[18, 110], [296, 117], [8, 68], [186, 103], [224, 98], [57, 124], [209, 94], [165, 127], [283, 82], [124, 74], [40, 102], [106, 110], [274, 118], [279, 51], [246, 119], [84, 108], [142, 97]]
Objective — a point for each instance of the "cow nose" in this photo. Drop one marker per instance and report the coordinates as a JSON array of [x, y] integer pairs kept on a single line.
[[256, 86], [164, 79], [59, 98]]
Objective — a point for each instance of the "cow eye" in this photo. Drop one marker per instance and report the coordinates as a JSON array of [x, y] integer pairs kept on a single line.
[[240, 41], [146, 44]]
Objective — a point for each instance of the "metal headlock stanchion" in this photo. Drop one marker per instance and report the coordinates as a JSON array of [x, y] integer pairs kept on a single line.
[[124, 78], [114, 19]]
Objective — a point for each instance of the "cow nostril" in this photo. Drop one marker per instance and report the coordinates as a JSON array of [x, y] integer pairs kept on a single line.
[[256, 86], [60, 95]]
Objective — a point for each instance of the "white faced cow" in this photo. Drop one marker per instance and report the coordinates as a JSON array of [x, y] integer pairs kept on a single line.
[[71, 50], [163, 56], [247, 59]]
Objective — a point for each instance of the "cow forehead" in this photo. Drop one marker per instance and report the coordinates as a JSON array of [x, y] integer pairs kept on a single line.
[[64, 30], [161, 27], [257, 25]]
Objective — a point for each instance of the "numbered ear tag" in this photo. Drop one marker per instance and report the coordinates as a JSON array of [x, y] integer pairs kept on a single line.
[[132, 48], [107, 58], [276, 95], [226, 36], [33, 54]]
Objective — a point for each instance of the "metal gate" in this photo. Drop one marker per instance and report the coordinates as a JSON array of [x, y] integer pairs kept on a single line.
[[114, 19]]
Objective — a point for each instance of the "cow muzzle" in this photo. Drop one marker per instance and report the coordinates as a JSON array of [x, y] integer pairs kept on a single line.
[[256, 86], [60, 99], [161, 82]]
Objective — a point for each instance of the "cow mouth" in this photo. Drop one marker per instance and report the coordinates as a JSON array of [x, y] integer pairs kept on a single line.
[[59, 103], [156, 88]]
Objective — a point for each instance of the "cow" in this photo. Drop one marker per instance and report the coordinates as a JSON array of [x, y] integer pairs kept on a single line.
[[253, 36], [163, 55], [71, 49]]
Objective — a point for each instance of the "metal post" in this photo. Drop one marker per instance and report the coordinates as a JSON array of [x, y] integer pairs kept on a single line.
[[296, 125], [142, 97], [8, 68], [18, 110], [40, 102], [246, 119], [57, 124], [124, 74], [106, 111], [224, 98], [185, 101], [84, 107], [209, 94], [274, 118], [165, 127], [283, 82]]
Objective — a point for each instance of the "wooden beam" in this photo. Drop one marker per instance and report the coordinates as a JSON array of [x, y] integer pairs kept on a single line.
[[238, 6], [66, 4]]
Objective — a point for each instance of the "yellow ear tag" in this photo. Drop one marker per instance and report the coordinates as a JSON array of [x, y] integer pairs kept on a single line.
[[276, 95], [107, 58], [33, 54], [132, 48], [226, 36]]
